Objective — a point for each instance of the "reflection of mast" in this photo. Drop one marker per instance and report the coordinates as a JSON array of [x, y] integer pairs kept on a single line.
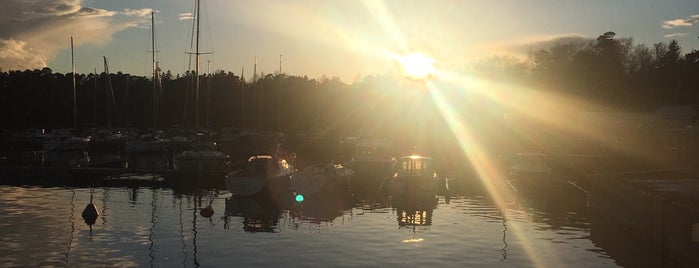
[[105, 207], [184, 246], [194, 231], [504, 236], [152, 227], [72, 226]]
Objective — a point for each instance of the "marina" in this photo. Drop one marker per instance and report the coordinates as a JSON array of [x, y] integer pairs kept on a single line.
[[362, 134]]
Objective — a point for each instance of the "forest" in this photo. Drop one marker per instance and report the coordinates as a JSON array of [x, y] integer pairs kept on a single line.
[[613, 72]]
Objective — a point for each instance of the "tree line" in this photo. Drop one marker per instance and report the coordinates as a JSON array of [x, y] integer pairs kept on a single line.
[[609, 70]]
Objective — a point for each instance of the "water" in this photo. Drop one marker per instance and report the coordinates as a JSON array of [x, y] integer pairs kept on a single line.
[[163, 228]]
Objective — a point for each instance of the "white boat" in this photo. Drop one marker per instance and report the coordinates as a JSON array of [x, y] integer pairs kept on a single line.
[[202, 159], [321, 178], [414, 175], [530, 165], [262, 173]]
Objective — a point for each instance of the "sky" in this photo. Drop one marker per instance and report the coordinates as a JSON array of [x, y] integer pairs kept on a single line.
[[349, 39]]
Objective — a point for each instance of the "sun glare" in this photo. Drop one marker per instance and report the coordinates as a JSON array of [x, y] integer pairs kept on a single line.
[[417, 65]]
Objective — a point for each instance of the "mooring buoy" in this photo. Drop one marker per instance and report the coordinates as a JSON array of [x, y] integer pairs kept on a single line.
[[90, 213]]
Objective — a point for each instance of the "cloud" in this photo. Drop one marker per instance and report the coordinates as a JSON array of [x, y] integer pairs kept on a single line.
[[33, 31], [17, 56], [675, 35], [186, 16], [669, 24], [139, 13]]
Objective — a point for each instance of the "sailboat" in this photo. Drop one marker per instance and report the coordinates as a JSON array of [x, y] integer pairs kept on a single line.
[[108, 139], [203, 161], [152, 142], [64, 141]]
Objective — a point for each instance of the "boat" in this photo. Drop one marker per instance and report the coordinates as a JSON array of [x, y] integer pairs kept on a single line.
[[372, 156], [107, 140], [262, 173], [530, 165], [149, 143], [203, 160], [64, 141], [414, 175], [319, 179]]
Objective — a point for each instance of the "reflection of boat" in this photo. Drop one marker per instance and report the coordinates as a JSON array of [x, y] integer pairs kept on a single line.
[[325, 209], [321, 178], [262, 172], [259, 215], [414, 175], [414, 210], [530, 165]]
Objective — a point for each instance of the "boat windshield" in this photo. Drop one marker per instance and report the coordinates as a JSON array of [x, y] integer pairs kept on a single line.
[[413, 167]]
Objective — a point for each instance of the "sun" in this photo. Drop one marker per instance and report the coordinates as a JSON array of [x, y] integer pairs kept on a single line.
[[417, 65]]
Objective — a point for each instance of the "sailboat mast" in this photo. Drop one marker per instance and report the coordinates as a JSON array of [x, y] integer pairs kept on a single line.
[[242, 97], [279, 93], [75, 106], [196, 72], [155, 105], [256, 98]]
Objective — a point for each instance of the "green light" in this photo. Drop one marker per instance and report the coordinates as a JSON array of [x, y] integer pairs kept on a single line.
[[299, 198]]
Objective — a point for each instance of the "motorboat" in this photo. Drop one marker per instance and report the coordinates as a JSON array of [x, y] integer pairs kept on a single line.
[[414, 175], [530, 165], [321, 178], [262, 172]]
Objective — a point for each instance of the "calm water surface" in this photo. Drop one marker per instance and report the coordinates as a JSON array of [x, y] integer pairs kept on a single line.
[[163, 228]]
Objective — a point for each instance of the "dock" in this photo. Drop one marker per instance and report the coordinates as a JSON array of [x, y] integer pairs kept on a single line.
[[658, 208]]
